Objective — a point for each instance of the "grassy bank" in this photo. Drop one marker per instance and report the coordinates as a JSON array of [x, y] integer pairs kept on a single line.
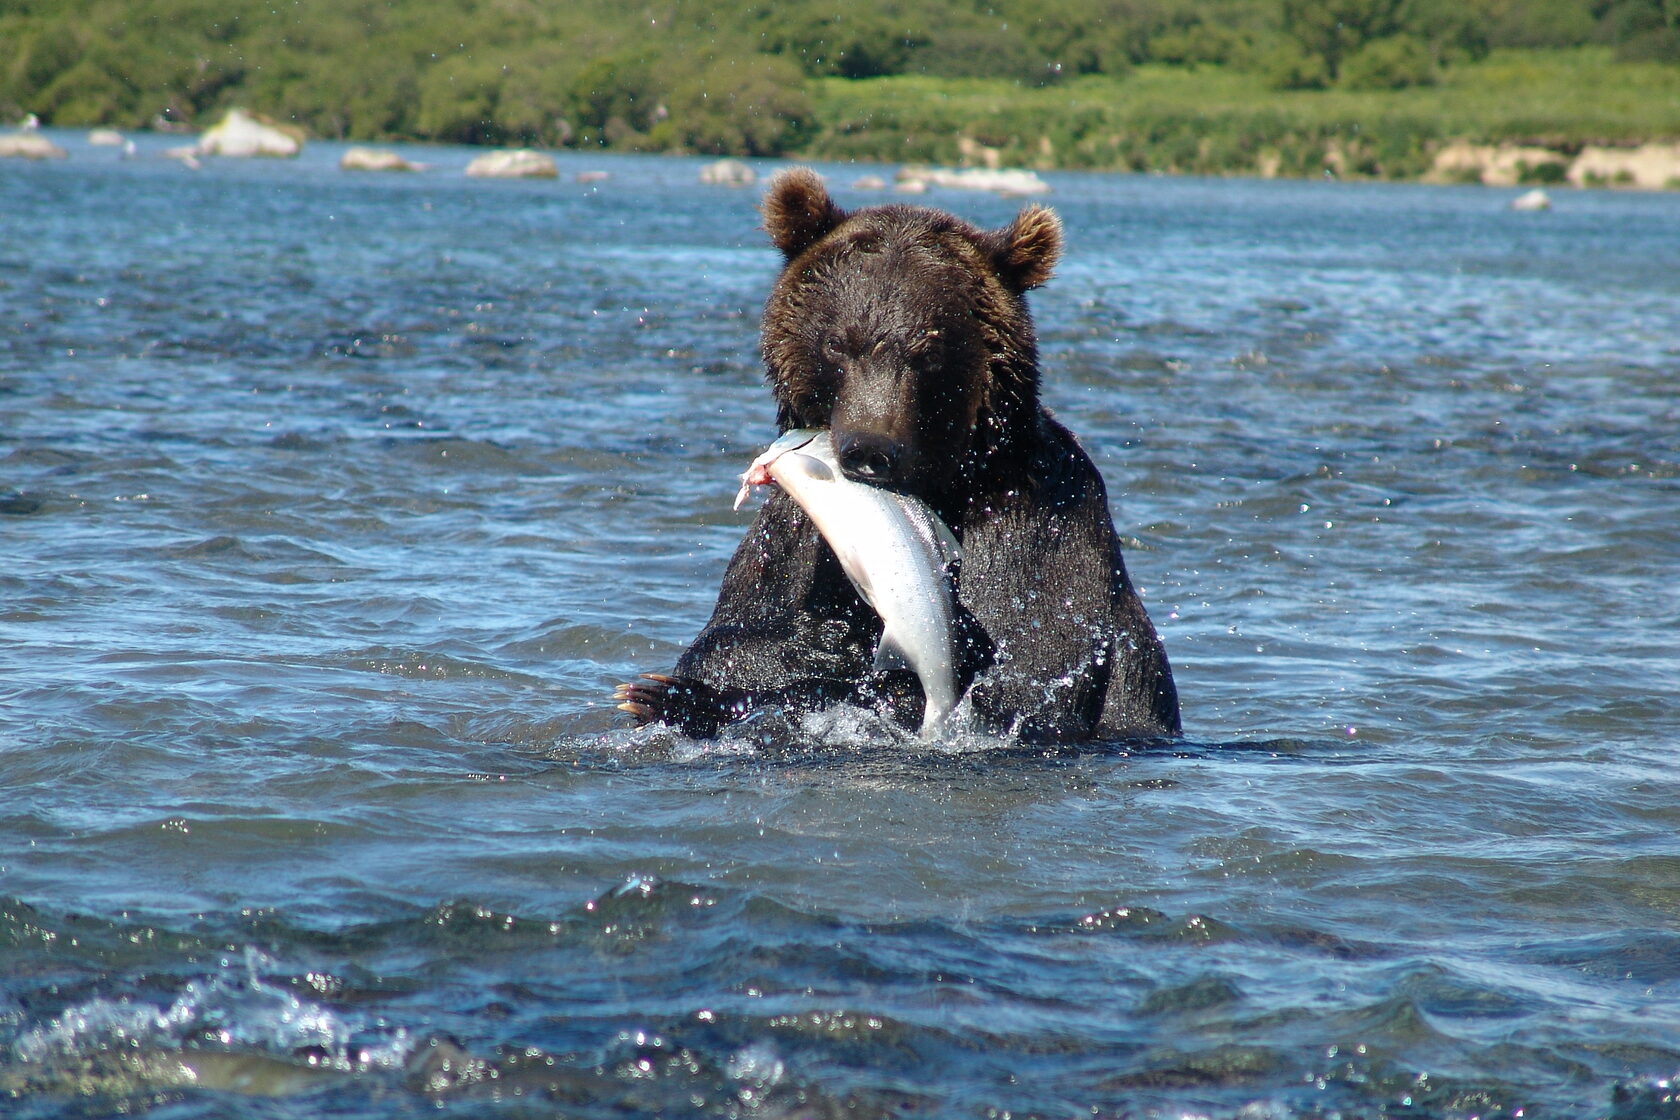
[[1217, 121], [1271, 87]]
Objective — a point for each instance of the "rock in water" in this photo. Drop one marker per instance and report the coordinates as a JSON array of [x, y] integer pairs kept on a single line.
[[520, 163], [242, 134], [728, 173], [375, 159], [1005, 181], [29, 145]]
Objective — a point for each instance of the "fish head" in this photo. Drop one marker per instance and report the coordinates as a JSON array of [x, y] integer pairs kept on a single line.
[[758, 473]]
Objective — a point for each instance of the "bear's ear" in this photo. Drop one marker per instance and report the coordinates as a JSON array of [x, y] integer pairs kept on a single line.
[[1027, 249], [798, 211]]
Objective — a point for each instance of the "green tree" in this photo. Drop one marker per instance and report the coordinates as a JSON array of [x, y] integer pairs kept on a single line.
[[534, 105], [1080, 36], [851, 41], [1285, 64], [754, 106], [619, 96], [374, 101], [39, 54], [1640, 30], [457, 100], [1452, 31], [1535, 24], [982, 52], [1332, 30]]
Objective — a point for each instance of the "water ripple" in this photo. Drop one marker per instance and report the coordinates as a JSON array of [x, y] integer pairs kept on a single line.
[[332, 509]]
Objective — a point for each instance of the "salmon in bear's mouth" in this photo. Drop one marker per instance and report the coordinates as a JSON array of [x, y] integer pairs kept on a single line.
[[895, 551]]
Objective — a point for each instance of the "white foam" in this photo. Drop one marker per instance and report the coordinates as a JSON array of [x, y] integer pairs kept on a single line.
[[233, 1008]]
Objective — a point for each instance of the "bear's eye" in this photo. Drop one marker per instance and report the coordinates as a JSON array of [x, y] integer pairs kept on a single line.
[[832, 353]]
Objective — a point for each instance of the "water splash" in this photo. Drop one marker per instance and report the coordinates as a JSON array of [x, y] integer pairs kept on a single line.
[[233, 1012]]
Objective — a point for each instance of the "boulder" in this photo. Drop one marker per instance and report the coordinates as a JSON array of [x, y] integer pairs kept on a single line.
[[1535, 199], [517, 163], [728, 173], [105, 138], [376, 159], [29, 145], [1003, 181], [241, 134]]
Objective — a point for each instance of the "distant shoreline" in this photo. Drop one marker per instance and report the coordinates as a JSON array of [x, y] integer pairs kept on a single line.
[[1517, 117], [1533, 92], [1651, 166]]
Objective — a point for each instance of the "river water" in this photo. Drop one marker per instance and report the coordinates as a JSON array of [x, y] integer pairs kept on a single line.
[[332, 507]]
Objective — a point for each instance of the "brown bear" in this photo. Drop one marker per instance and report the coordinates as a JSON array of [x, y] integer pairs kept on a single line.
[[905, 331]]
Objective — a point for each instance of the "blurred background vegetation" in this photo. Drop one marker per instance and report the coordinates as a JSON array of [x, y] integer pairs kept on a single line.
[[1182, 85]]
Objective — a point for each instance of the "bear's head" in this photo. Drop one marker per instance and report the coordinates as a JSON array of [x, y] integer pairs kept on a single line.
[[905, 330]]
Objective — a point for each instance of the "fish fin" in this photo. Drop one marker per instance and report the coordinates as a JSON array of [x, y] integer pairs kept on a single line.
[[860, 581], [813, 467], [890, 654], [950, 549], [791, 440]]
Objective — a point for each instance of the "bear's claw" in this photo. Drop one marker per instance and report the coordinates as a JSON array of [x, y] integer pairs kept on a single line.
[[683, 702], [642, 700]]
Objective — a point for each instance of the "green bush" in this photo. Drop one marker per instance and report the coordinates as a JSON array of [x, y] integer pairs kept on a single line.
[[982, 52], [1538, 24], [1450, 31], [1196, 44], [1286, 65], [1397, 62], [1547, 172], [1658, 44]]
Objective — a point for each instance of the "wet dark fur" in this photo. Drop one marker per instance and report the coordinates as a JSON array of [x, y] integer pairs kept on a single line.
[[906, 331]]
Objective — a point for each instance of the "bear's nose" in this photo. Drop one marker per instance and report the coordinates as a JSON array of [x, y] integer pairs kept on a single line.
[[869, 458]]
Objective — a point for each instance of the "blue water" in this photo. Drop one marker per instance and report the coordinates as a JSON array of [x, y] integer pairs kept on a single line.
[[332, 506]]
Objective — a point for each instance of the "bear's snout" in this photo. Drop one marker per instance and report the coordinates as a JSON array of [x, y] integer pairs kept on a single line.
[[870, 457]]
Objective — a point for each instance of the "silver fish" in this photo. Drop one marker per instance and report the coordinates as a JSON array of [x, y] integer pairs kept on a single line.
[[894, 549]]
